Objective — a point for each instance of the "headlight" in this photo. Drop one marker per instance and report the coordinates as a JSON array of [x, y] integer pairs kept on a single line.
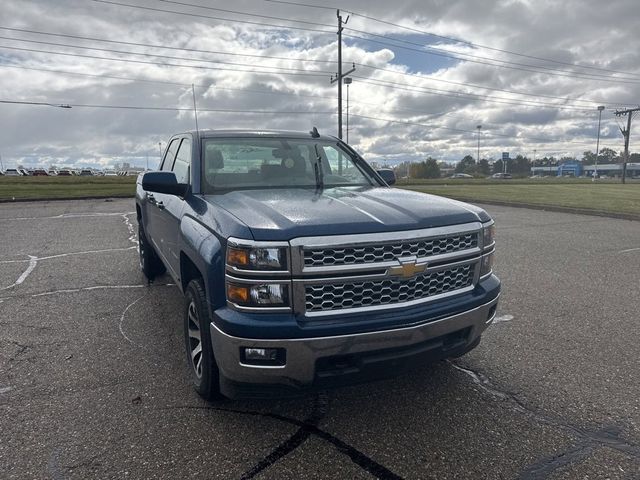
[[487, 264], [257, 258], [258, 295], [489, 233]]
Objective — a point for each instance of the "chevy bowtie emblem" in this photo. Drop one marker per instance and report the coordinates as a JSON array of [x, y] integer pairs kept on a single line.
[[407, 268]]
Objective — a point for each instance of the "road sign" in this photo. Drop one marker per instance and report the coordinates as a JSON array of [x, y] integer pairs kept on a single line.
[[505, 155]]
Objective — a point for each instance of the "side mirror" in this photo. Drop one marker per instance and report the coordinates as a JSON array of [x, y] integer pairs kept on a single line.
[[163, 182], [388, 176]]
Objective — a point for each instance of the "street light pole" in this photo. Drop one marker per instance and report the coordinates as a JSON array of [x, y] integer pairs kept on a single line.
[[478, 159], [595, 171], [348, 81]]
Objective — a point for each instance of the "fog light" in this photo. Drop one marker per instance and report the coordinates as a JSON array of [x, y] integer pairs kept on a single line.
[[262, 356]]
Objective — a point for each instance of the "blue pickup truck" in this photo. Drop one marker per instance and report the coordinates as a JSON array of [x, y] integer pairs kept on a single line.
[[303, 269]]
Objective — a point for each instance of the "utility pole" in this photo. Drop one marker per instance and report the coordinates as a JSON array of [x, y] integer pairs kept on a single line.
[[338, 78], [626, 134], [478, 158], [595, 171]]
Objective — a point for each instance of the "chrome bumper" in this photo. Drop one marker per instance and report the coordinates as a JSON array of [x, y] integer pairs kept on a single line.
[[302, 353]]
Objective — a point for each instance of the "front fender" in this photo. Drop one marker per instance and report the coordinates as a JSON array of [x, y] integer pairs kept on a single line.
[[203, 248]]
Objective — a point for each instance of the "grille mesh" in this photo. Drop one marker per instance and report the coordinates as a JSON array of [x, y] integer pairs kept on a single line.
[[326, 297], [321, 257]]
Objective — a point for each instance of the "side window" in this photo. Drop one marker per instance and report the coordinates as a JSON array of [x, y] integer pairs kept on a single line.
[[170, 155], [183, 162]]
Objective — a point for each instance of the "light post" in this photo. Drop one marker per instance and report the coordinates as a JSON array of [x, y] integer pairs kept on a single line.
[[348, 81], [595, 170], [479, 127], [160, 148]]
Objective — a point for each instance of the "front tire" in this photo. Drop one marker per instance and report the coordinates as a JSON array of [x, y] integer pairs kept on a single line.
[[150, 263], [199, 352]]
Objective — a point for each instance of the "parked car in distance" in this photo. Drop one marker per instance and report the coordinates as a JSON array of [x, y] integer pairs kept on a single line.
[[64, 173], [110, 173], [39, 172], [12, 172], [302, 269], [503, 176], [461, 175], [85, 172]]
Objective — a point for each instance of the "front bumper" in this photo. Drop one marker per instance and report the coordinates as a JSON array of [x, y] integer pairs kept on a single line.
[[310, 359]]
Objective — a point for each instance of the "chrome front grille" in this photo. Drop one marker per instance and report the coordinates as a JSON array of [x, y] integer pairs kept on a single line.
[[338, 275], [368, 254], [371, 293]]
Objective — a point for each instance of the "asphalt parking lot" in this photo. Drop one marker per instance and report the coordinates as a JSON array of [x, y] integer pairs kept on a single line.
[[93, 383]]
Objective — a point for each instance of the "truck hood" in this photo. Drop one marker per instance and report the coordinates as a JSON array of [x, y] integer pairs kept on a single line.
[[283, 214]]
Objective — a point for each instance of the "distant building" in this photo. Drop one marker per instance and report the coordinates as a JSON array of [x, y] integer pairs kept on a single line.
[[576, 169]]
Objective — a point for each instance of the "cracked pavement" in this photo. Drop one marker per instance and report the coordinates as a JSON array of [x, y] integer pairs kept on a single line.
[[93, 383]]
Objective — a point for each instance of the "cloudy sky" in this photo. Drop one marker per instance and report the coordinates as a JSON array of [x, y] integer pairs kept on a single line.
[[427, 73]]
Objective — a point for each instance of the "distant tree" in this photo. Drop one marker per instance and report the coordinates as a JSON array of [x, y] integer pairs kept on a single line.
[[608, 155], [634, 158], [519, 165], [401, 170], [483, 167], [431, 168], [588, 157], [497, 167], [428, 168], [466, 165]]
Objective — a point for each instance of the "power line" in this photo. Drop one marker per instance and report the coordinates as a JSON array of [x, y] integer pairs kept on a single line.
[[431, 51], [267, 112], [398, 86], [217, 87], [168, 47], [476, 45], [456, 40], [236, 12], [137, 44], [261, 24], [278, 69], [448, 55], [470, 96], [451, 82], [171, 109], [163, 64], [125, 52]]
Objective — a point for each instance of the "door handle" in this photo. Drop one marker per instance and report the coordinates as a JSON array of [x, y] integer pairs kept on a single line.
[[160, 205], [151, 199]]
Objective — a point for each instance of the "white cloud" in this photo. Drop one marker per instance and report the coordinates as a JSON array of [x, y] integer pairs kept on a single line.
[[575, 32]]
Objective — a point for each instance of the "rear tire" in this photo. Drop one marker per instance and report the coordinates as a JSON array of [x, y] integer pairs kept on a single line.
[[199, 352], [150, 263]]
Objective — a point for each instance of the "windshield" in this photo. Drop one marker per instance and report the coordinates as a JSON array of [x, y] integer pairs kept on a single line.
[[232, 163]]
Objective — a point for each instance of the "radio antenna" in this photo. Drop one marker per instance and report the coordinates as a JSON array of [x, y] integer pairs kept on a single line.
[[195, 108]]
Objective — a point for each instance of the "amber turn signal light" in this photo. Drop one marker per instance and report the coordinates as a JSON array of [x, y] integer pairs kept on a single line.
[[237, 256], [237, 294]]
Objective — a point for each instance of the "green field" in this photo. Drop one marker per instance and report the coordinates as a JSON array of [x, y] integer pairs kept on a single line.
[[605, 197], [608, 196], [35, 188]]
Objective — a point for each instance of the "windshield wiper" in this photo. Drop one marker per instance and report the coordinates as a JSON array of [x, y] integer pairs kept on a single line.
[[317, 169]]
